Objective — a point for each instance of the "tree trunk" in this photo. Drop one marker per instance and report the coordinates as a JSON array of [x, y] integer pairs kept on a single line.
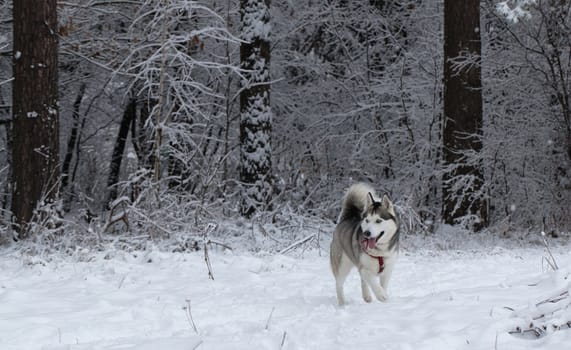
[[255, 111], [128, 119], [35, 172], [463, 178], [72, 141]]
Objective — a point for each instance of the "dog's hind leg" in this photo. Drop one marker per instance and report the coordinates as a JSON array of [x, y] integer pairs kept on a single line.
[[340, 272]]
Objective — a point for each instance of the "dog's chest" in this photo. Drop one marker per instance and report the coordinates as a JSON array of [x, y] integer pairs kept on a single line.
[[370, 263]]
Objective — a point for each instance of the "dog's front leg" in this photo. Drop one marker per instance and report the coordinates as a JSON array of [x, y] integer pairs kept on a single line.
[[386, 274], [370, 279], [366, 292]]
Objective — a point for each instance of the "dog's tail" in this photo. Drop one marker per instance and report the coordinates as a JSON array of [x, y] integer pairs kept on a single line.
[[355, 201]]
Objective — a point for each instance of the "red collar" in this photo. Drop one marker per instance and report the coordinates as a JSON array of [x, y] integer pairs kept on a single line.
[[381, 262]]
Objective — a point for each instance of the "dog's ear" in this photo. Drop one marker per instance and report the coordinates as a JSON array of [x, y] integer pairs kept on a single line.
[[387, 204], [370, 200]]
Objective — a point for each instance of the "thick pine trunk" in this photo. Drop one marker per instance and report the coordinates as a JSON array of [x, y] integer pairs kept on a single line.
[[35, 172], [462, 113], [255, 111]]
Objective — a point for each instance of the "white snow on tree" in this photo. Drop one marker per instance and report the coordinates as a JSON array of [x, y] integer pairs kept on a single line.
[[255, 110], [515, 10], [173, 73]]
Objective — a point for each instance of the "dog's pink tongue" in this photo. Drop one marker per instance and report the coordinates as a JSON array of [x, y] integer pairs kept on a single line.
[[371, 243]]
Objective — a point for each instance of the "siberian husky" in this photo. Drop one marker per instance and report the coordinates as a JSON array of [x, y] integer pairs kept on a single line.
[[366, 236]]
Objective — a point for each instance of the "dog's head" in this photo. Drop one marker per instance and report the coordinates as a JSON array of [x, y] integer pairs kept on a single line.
[[379, 222]]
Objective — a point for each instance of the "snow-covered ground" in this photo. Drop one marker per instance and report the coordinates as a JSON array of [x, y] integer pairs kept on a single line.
[[440, 298]]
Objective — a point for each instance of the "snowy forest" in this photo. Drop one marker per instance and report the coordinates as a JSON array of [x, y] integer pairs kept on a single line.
[[138, 135], [179, 112]]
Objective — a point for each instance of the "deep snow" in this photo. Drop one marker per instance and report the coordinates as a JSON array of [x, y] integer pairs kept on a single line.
[[439, 299]]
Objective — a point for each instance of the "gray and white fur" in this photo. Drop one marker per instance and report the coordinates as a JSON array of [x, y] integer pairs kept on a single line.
[[368, 228]]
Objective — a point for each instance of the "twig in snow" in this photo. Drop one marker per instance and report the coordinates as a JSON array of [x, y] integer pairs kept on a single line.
[[555, 299], [283, 340], [219, 243], [207, 260], [121, 282], [188, 313], [114, 217], [295, 244], [269, 318], [209, 228], [266, 233], [550, 259]]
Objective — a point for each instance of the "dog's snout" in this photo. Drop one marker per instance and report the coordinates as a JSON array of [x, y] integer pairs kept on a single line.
[[367, 233]]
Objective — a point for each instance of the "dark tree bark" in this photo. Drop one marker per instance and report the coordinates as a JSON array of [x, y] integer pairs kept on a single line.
[[72, 141], [35, 171], [462, 114], [255, 111], [128, 119]]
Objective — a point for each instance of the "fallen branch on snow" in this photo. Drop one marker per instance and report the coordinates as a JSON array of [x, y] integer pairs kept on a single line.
[[298, 243], [550, 314]]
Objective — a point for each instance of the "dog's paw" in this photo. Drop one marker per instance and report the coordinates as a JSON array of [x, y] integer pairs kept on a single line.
[[382, 295], [368, 298]]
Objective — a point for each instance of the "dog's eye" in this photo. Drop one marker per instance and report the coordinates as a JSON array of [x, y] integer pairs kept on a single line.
[[367, 221], [379, 221]]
